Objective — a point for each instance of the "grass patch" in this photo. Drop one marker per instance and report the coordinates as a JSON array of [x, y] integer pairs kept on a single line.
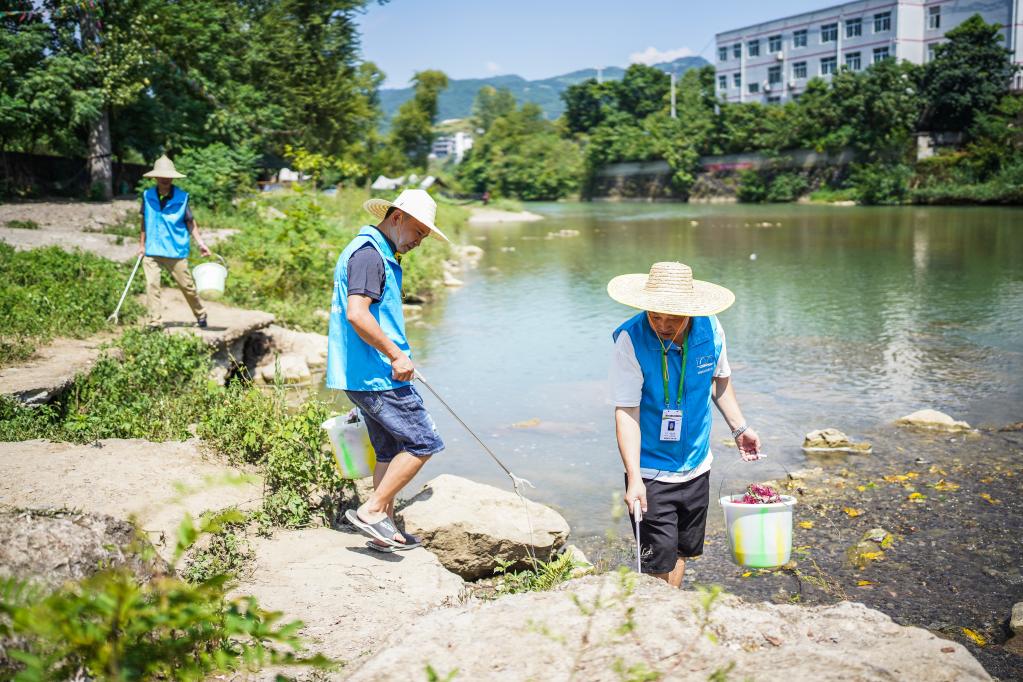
[[49, 292], [225, 553], [23, 224], [827, 195], [543, 577]]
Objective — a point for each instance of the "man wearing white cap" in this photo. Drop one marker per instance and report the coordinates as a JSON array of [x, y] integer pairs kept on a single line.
[[369, 358], [669, 364], [167, 223]]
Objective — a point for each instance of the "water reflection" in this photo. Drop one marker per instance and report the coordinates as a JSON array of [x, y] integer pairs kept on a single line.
[[848, 317]]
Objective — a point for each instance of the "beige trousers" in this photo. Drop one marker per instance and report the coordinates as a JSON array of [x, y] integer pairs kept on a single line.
[[178, 268]]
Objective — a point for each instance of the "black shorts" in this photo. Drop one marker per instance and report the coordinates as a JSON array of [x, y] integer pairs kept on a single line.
[[674, 523]]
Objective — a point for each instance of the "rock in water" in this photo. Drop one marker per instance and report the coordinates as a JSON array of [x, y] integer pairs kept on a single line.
[[832, 440], [595, 628], [1016, 620], [470, 526], [932, 419], [54, 546], [294, 369]]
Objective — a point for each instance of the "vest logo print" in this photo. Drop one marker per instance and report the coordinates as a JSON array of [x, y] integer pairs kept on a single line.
[[704, 364]]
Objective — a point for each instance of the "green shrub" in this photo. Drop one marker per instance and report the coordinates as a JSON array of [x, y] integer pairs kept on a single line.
[[240, 422], [216, 174], [226, 553], [786, 187], [752, 189], [544, 576], [112, 626], [147, 385], [881, 183], [828, 194], [50, 292]]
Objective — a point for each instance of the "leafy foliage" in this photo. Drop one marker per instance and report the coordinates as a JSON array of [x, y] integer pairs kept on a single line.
[[112, 626], [216, 174], [543, 577], [412, 127], [50, 292]]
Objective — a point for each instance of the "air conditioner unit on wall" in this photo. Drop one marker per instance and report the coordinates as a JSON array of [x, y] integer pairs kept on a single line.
[[780, 56], [767, 87], [792, 84]]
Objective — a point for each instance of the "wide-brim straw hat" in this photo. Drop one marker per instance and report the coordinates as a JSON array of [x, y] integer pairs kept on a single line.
[[671, 290], [416, 202], [164, 168]]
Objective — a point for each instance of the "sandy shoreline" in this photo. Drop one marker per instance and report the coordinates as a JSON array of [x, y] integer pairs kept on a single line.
[[489, 216]]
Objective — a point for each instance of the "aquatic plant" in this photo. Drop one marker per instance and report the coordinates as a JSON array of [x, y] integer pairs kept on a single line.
[[758, 493]]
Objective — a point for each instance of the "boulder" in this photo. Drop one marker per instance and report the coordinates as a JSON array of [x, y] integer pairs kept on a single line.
[[470, 526], [582, 563], [55, 546], [613, 626], [1016, 620], [293, 367], [310, 345], [832, 440], [932, 419]]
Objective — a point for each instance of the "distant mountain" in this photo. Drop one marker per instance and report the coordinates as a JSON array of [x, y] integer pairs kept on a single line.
[[456, 101]]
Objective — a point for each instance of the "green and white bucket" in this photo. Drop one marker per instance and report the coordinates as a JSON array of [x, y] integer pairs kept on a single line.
[[210, 278], [353, 453], [759, 535]]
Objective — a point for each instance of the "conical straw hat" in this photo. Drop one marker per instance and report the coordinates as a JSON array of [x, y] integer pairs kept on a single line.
[[163, 168], [416, 202], [671, 290]]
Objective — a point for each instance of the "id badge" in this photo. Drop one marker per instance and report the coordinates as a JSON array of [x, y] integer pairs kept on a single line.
[[671, 425]]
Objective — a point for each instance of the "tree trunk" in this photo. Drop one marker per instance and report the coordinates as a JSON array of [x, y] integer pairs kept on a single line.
[[101, 175]]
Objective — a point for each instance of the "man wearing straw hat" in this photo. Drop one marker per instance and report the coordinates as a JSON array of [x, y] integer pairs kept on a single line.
[[369, 358], [669, 365], [167, 222]]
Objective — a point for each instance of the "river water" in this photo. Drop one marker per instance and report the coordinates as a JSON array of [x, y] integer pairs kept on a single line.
[[844, 317]]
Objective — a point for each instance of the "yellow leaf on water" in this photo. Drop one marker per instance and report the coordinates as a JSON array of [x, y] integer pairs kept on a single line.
[[912, 474], [916, 497], [976, 637], [946, 486], [852, 512], [990, 499], [896, 478], [871, 556], [861, 488], [935, 469], [863, 583], [747, 574], [986, 480], [806, 524]]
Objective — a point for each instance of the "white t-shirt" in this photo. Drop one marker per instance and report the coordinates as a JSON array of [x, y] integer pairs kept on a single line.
[[626, 379]]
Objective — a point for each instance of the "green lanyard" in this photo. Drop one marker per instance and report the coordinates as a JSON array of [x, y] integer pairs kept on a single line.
[[664, 369]]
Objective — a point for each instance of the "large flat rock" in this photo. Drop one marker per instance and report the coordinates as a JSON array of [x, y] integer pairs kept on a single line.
[[585, 631], [226, 324], [349, 597], [157, 483], [52, 369]]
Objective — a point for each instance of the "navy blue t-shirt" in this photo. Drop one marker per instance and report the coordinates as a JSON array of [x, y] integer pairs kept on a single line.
[[366, 274]]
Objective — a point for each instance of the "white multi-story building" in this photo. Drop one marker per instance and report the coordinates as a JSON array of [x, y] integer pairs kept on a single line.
[[773, 61], [451, 146]]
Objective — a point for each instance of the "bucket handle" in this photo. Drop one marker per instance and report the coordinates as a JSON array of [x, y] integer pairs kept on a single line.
[[732, 463], [219, 258]]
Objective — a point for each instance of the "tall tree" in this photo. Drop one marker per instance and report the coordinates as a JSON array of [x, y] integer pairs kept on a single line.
[[412, 127], [968, 75], [489, 105]]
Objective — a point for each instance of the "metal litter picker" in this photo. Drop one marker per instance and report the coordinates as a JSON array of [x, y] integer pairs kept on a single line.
[[114, 316]]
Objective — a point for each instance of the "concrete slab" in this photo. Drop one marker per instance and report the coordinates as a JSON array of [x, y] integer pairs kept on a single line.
[[52, 369]]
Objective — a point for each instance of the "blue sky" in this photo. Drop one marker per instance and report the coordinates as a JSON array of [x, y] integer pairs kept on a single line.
[[536, 39]]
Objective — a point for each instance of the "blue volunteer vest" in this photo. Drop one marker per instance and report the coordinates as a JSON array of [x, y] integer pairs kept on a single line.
[[166, 232], [353, 364], [704, 350]]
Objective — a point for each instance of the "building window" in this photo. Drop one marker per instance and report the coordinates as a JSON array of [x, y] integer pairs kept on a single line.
[[828, 65], [829, 33], [882, 22], [774, 99], [736, 80], [774, 75], [774, 44], [799, 70], [853, 28], [753, 88], [722, 82], [737, 50], [753, 48], [799, 38], [723, 54], [852, 61], [934, 17], [930, 51], [881, 54]]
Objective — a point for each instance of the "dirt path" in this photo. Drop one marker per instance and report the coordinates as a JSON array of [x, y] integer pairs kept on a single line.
[[955, 519], [157, 483], [488, 216], [80, 224]]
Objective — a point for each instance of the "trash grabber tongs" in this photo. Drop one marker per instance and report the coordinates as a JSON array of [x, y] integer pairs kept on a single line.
[[117, 310]]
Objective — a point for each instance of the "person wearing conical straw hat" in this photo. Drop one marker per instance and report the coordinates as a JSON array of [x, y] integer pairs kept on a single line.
[[167, 225], [669, 365], [369, 357]]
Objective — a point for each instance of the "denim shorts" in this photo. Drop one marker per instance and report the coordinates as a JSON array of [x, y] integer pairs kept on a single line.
[[397, 422]]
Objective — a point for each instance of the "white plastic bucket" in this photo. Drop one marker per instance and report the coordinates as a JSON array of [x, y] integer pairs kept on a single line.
[[759, 535], [353, 453], [210, 278]]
